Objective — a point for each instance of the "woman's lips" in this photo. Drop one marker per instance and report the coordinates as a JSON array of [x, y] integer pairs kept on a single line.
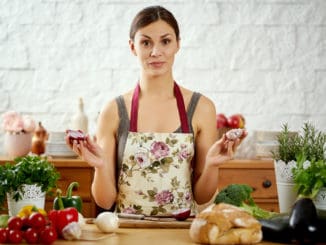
[[156, 64]]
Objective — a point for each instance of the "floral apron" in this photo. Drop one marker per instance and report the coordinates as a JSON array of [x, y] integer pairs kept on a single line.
[[155, 176]]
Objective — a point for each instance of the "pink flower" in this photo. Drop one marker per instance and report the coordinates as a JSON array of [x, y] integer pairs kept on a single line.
[[188, 197], [142, 159], [29, 124], [164, 197], [15, 123], [159, 149], [183, 154], [129, 210]]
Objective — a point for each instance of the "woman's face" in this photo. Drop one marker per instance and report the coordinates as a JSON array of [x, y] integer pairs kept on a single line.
[[155, 46]]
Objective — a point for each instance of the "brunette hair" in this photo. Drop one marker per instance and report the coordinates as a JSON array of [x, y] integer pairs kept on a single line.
[[152, 14]]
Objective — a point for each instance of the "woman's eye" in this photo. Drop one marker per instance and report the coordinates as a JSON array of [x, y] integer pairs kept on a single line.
[[166, 41], [146, 43]]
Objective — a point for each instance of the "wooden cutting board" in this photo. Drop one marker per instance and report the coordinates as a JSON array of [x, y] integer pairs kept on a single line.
[[151, 223], [159, 223]]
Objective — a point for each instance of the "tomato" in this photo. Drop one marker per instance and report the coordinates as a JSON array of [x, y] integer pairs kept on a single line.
[[15, 236], [36, 220], [25, 223], [3, 235], [31, 235], [15, 223], [48, 235]]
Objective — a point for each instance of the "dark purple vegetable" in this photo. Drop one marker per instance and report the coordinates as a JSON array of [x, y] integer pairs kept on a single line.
[[276, 229], [304, 222]]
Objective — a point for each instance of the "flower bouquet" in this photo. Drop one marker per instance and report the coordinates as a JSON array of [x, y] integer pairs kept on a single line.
[[18, 133]]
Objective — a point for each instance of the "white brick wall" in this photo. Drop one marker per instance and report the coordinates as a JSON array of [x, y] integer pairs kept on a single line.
[[263, 58]]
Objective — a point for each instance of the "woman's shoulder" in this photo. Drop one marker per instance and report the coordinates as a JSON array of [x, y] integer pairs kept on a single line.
[[205, 104], [111, 106], [110, 113]]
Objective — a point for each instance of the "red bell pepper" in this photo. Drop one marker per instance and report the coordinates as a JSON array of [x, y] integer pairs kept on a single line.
[[62, 217]]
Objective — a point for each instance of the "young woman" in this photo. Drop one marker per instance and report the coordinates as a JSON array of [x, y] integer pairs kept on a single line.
[[156, 148]]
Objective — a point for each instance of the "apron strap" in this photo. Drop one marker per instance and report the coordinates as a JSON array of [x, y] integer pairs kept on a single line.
[[134, 110], [181, 109], [180, 104]]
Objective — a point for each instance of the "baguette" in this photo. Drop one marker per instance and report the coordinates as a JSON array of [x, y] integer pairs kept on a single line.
[[225, 224]]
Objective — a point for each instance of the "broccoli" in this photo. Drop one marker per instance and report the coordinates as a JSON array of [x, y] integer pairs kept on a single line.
[[240, 195]]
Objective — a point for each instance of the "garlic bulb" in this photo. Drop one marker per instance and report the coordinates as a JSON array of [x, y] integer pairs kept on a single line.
[[72, 231], [107, 221]]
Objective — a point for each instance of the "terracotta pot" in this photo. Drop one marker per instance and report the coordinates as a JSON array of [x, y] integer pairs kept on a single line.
[[17, 144]]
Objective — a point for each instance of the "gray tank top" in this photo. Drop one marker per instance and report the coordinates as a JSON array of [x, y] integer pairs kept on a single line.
[[124, 123]]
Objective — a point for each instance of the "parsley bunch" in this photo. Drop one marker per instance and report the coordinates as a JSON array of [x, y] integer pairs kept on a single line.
[[26, 170], [309, 176]]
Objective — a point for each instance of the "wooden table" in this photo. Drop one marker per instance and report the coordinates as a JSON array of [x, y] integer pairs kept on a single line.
[[141, 236]]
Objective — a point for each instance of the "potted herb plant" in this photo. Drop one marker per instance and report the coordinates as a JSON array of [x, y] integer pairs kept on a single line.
[[292, 149], [26, 181], [309, 175]]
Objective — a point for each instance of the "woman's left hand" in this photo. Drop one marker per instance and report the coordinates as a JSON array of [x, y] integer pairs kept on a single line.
[[223, 149]]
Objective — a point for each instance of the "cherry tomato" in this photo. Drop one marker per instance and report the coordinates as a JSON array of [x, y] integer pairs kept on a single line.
[[25, 223], [15, 236], [31, 235], [36, 220], [15, 223], [48, 235], [3, 235]]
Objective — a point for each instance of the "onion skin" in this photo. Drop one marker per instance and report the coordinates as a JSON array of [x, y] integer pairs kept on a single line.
[[181, 214]]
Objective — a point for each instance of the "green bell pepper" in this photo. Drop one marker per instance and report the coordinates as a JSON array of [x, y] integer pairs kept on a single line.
[[69, 200]]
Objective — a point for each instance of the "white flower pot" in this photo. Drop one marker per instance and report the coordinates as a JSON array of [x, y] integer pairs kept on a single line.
[[285, 185], [33, 195], [320, 201]]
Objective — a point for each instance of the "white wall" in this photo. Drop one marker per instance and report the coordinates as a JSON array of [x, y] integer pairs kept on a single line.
[[263, 58]]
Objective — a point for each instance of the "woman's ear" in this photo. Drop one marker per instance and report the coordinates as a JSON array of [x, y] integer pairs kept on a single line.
[[178, 45], [132, 47]]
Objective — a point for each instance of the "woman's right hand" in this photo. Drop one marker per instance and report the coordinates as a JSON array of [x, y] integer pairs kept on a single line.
[[88, 150]]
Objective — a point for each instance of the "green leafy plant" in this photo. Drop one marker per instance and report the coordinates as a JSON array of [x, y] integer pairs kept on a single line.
[[309, 176], [310, 142], [307, 149], [26, 170], [288, 145]]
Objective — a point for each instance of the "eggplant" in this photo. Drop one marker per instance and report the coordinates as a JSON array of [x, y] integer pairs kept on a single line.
[[301, 226], [304, 222], [276, 229]]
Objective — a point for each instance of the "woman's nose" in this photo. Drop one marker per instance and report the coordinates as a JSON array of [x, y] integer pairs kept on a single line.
[[156, 51]]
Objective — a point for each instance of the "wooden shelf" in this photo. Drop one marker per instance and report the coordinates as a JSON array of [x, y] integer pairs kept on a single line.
[[259, 174], [71, 170]]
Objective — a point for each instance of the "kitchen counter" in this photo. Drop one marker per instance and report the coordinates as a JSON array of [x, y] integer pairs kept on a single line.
[[141, 236]]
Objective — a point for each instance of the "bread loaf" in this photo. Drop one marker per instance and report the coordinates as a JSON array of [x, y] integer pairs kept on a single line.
[[225, 224]]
